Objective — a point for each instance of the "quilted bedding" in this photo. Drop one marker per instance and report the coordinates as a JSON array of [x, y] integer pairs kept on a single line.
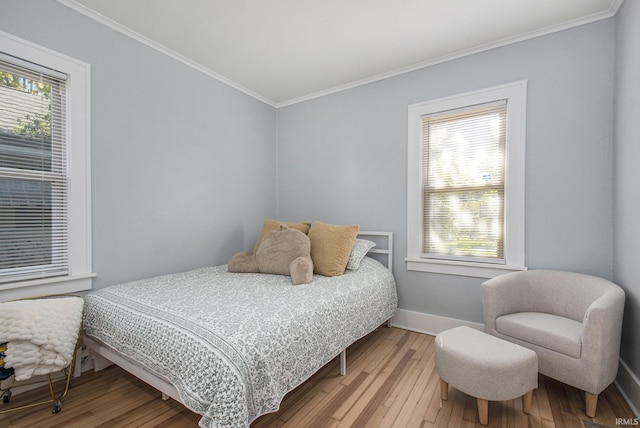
[[233, 344]]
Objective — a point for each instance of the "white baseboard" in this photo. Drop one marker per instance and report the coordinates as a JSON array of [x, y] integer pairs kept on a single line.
[[629, 386], [427, 323]]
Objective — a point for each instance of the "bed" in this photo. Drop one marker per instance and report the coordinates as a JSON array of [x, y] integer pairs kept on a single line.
[[229, 346]]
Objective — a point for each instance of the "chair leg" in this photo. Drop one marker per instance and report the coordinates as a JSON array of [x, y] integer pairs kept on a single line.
[[444, 390], [483, 411], [591, 403], [526, 401]]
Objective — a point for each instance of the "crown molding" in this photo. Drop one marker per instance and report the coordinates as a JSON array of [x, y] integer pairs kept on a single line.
[[613, 9], [72, 4]]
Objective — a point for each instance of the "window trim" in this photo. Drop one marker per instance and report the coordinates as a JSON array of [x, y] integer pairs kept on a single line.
[[514, 238], [79, 170]]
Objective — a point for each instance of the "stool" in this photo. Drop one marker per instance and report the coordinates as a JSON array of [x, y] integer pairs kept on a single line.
[[485, 367]]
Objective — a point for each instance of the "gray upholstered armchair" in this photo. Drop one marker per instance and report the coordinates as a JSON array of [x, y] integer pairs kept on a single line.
[[572, 321]]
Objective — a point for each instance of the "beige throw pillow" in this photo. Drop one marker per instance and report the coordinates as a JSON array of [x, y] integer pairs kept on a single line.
[[331, 246]]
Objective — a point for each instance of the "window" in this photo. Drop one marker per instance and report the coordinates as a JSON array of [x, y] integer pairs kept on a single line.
[[45, 234], [466, 183]]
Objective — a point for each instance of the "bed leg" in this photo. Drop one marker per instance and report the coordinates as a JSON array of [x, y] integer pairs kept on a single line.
[[100, 362], [165, 397], [77, 365], [343, 363]]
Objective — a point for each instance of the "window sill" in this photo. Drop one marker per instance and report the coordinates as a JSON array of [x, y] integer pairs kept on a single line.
[[448, 267], [40, 287]]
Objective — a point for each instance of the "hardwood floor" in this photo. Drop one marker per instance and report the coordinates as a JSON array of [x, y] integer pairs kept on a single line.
[[390, 382]]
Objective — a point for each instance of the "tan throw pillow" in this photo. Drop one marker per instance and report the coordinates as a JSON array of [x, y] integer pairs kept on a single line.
[[331, 246], [270, 225]]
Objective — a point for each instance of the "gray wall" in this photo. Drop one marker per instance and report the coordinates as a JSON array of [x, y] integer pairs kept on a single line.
[[342, 158], [183, 166], [627, 177]]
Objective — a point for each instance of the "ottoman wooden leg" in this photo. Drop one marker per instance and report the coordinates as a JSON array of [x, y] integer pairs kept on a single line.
[[444, 390], [526, 401], [483, 411]]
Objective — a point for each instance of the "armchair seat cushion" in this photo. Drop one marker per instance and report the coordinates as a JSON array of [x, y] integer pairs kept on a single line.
[[549, 331]]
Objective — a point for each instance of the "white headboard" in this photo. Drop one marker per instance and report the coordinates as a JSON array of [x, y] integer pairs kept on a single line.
[[381, 247]]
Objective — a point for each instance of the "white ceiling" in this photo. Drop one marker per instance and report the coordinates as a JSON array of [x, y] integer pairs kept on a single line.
[[285, 51]]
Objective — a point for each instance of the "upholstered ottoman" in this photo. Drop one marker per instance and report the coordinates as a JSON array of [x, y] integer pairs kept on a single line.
[[485, 367]]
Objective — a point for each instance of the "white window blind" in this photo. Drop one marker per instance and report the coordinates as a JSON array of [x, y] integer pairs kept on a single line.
[[463, 182], [33, 173]]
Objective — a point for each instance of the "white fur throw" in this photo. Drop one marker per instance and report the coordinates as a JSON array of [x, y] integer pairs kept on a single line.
[[41, 334]]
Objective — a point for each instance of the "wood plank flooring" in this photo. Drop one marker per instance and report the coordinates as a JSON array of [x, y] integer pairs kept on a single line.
[[390, 382]]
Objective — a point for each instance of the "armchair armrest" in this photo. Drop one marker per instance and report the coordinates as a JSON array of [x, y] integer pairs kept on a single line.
[[601, 332]]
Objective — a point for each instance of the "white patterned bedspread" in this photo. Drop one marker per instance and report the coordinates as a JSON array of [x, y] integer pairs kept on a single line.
[[233, 344]]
